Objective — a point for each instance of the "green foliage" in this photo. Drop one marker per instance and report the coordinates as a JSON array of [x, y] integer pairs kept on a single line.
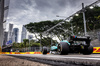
[[35, 44], [15, 45], [47, 41], [21, 45], [65, 29], [78, 25], [39, 27], [25, 44], [92, 20], [25, 41]]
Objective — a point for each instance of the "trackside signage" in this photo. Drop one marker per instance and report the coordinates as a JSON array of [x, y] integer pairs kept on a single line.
[[95, 50]]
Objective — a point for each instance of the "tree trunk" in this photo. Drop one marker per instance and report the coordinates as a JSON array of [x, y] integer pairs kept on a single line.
[[88, 27], [36, 36], [59, 37], [94, 27]]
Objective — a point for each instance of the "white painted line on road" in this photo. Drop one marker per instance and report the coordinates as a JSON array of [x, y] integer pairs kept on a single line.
[[56, 56], [64, 57], [74, 57]]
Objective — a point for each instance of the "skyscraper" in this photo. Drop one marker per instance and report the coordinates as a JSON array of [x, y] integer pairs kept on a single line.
[[15, 35], [5, 38], [10, 32], [24, 33], [30, 36]]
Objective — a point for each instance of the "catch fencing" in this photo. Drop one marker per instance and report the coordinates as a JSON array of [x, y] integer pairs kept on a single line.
[[27, 49], [95, 36]]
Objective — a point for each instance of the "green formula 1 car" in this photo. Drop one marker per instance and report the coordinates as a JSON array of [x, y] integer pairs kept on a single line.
[[74, 45]]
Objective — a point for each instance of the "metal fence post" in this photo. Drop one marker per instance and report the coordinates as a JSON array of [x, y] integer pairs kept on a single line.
[[85, 31]]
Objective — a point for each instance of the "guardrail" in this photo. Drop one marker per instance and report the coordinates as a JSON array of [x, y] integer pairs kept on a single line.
[[95, 50]]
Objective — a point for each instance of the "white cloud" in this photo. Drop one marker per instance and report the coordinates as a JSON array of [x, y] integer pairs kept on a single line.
[[22, 12], [25, 11]]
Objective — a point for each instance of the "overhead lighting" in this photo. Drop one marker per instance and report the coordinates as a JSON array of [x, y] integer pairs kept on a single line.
[[91, 7], [76, 14], [67, 20], [71, 17], [62, 22]]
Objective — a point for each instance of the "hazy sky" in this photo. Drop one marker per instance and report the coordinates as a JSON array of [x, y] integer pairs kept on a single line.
[[22, 12], [25, 11]]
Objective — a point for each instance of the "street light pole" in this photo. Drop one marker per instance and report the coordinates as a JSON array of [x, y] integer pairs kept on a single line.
[[85, 31]]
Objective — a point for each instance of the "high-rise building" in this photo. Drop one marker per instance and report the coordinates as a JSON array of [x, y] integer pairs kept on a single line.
[[15, 35], [24, 33], [5, 38], [10, 32], [30, 36]]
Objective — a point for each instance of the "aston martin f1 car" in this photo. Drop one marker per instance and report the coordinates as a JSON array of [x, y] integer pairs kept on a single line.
[[74, 45]]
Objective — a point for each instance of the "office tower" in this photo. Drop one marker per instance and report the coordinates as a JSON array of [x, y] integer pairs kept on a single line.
[[10, 32], [15, 35], [30, 36], [24, 33], [5, 38]]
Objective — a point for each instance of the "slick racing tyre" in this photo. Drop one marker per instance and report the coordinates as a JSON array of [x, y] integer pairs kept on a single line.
[[44, 51], [63, 48], [88, 50]]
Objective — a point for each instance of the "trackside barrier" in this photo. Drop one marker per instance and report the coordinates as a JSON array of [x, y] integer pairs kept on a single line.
[[20, 53], [0, 49], [95, 50]]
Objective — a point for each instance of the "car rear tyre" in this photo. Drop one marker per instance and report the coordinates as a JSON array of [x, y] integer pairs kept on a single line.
[[63, 48], [44, 51], [88, 50]]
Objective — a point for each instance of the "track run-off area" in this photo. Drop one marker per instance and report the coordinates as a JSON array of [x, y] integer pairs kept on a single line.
[[69, 56], [60, 60], [70, 59]]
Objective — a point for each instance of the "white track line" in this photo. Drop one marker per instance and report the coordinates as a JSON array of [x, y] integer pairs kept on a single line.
[[56, 56], [74, 57]]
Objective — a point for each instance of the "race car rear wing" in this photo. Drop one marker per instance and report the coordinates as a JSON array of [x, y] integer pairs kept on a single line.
[[77, 38]]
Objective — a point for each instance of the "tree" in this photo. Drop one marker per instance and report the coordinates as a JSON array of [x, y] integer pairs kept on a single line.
[[92, 20], [35, 44], [39, 27], [21, 45], [26, 42], [46, 41], [15, 45]]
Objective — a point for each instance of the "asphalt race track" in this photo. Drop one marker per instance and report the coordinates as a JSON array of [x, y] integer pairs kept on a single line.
[[71, 59]]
